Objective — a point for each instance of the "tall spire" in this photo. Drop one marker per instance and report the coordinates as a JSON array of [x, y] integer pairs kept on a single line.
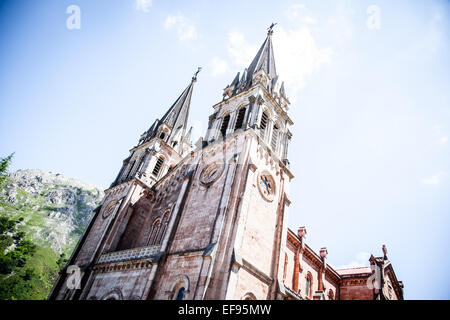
[[176, 117], [264, 59]]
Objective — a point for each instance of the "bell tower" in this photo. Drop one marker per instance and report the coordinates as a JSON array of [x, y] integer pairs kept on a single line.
[[255, 100], [250, 127], [163, 145]]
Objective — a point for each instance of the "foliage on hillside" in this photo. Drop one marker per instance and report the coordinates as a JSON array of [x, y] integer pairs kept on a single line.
[[38, 231]]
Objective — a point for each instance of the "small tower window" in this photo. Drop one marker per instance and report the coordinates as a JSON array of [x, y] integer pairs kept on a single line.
[[240, 119], [275, 137], [308, 287], [263, 123], [224, 127], [158, 166], [162, 135], [130, 169]]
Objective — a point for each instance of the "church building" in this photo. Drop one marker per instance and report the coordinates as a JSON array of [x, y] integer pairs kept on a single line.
[[210, 221]]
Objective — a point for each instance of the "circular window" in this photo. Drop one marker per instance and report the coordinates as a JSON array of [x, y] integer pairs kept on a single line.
[[109, 210], [211, 173], [266, 186]]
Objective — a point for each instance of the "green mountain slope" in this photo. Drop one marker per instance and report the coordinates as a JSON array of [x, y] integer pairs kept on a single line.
[[43, 215]]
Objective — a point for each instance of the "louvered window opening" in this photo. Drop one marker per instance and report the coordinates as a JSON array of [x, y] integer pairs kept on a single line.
[[275, 138], [224, 127], [263, 124], [240, 119], [158, 166]]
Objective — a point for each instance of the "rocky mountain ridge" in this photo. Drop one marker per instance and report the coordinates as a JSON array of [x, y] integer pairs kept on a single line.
[[55, 209]]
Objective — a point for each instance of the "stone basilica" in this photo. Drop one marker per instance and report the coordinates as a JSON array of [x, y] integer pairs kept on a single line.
[[210, 221]]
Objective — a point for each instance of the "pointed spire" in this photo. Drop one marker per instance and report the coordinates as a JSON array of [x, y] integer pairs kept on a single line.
[[236, 80], [187, 137], [243, 78], [282, 90], [177, 115], [264, 59]]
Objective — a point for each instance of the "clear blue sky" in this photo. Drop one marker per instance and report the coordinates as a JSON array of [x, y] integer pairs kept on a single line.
[[370, 101]]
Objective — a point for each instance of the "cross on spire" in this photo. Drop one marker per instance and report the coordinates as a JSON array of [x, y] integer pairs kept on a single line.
[[194, 78], [270, 29]]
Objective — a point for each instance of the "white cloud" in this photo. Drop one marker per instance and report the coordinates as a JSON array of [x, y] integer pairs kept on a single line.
[[294, 10], [297, 55], [308, 20], [434, 179], [439, 134], [361, 260], [218, 67], [239, 50], [143, 5], [185, 28]]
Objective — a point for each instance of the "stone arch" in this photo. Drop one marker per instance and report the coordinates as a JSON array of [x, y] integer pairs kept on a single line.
[[179, 288], [163, 228], [249, 296], [110, 208], [241, 112], [156, 225], [115, 294]]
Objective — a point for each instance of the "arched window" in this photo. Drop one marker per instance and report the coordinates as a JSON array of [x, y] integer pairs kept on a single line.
[[275, 133], [249, 296], [158, 166], [240, 119], [115, 294], [154, 232], [330, 295], [141, 164], [263, 123], [179, 288], [164, 223], [308, 287], [162, 135], [174, 144], [224, 127], [130, 168]]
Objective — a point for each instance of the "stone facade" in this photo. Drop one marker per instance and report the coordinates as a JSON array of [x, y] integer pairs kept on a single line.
[[210, 222]]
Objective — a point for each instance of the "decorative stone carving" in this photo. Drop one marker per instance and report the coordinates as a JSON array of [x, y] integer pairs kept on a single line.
[[110, 209], [211, 173]]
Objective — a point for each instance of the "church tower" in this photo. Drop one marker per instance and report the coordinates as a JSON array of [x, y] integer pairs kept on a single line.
[[162, 146], [208, 223]]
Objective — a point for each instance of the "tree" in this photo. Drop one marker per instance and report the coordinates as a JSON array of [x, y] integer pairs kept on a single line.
[[4, 165]]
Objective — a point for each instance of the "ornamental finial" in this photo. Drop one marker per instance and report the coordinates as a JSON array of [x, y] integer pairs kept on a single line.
[[194, 78], [270, 29]]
